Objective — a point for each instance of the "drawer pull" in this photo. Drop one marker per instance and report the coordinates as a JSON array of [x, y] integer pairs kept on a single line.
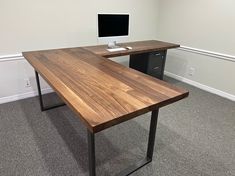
[[155, 68]]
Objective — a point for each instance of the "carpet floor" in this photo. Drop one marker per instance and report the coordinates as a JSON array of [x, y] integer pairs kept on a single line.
[[195, 137]]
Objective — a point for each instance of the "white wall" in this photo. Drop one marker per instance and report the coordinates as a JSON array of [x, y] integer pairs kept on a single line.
[[32, 25], [201, 24]]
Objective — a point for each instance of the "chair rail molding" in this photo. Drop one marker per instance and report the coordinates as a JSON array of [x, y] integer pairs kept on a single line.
[[19, 56], [207, 53], [11, 57]]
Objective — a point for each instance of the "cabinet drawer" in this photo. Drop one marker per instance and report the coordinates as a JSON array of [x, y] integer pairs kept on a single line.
[[156, 72], [157, 53], [150, 63], [156, 64], [156, 61]]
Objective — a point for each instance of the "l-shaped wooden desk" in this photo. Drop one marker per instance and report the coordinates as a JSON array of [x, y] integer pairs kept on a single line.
[[104, 93]]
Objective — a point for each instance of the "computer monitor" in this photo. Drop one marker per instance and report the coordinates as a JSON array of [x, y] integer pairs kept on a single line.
[[113, 28]]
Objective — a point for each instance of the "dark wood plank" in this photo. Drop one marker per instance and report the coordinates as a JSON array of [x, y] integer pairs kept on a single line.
[[103, 93], [137, 47]]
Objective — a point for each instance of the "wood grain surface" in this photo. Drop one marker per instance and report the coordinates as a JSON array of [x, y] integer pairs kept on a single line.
[[137, 47], [102, 92]]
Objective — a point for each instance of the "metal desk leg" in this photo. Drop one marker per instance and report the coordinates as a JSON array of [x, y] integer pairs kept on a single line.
[[91, 152], [43, 108], [152, 134], [150, 149], [163, 65]]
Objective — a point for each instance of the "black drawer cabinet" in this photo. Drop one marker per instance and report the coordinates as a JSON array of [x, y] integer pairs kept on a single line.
[[150, 63]]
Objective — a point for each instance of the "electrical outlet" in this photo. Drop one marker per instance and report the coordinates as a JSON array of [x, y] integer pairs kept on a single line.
[[191, 71], [27, 82]]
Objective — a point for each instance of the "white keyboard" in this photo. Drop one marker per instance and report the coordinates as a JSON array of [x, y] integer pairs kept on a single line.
[[116, 49]]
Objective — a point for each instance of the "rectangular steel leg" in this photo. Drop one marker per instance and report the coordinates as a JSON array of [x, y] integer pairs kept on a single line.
[[152, 134], [39, 91], [150, 149], [163, 65], [91, 152], [43, 108]]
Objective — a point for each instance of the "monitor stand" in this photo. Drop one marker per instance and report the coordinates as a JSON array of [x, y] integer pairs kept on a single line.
[[112, 45]]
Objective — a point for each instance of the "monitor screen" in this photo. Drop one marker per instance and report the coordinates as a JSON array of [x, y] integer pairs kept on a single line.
[[113, 25]]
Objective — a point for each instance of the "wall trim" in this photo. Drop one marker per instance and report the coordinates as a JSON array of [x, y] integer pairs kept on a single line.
[[11, 57], [23, 95], [19, 56], [201, 86], [207, 53]]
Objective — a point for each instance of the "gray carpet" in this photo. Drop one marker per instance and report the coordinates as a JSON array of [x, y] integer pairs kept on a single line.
[[195, 137]]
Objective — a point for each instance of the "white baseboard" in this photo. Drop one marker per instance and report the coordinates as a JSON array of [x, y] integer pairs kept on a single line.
[[23, 95], [201, 86]]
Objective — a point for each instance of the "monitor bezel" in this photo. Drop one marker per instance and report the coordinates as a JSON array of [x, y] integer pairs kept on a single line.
[[121, 36]]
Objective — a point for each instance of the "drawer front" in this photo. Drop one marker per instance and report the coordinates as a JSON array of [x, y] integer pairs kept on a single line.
[[157, 53], [156, 64], [156, 73]]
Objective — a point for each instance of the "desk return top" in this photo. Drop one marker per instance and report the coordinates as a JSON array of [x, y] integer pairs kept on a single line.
[[137, 47], [102, 92]]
